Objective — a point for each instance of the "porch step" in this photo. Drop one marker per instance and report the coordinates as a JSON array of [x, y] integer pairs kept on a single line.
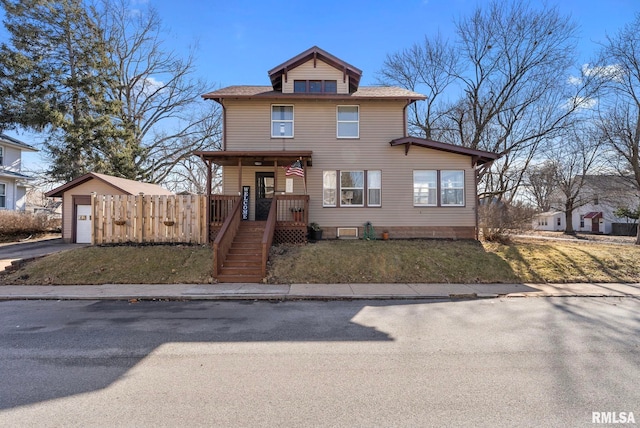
[[244, 259]]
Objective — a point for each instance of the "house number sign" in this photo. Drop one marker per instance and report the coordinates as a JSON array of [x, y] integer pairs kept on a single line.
[[245, 202]]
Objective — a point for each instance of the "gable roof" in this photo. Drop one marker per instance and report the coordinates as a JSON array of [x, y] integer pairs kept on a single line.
[[127, 187], [267, 92], [349, 71], [10, 141], [478, 157], [13, 174]]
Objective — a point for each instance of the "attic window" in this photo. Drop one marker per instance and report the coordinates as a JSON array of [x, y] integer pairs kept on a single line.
[[315, 86]]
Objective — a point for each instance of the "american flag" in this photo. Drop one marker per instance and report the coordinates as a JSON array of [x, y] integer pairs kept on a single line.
[[295, 169]]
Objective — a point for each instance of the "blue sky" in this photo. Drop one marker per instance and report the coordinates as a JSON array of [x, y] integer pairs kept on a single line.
[[240, 40]]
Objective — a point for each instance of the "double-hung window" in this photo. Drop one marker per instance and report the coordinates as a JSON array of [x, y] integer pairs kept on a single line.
[[3, 195], [348, 122], [374, 188], [425, 188], [281, 121], [1, 155], [438, 188], [452, 188], [352, 188]]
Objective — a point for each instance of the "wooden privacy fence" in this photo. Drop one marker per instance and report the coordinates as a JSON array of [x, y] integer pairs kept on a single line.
[[149, 218]]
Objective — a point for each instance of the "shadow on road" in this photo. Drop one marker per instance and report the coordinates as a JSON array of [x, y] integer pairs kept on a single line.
[[57, 349]]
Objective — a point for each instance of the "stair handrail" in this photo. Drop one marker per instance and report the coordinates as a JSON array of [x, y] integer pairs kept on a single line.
[[267, 236], [225, 237]]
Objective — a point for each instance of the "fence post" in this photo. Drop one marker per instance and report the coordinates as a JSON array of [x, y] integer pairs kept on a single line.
[[139, 215]]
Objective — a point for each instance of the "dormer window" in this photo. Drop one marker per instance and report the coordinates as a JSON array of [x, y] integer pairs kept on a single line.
[[315, 86]]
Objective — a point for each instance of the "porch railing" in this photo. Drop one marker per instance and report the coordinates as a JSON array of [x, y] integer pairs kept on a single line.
[[225, 237], [293, 209], [220, 208]]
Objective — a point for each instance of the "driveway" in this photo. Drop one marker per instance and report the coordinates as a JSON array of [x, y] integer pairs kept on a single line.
[[28, 249]]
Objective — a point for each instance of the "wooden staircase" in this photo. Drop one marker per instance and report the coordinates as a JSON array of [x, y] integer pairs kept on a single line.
[[244, 259]]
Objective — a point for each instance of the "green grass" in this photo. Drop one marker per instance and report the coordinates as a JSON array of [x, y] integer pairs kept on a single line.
[[414, 261]]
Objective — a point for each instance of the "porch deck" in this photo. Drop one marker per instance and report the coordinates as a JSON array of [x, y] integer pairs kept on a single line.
[[292, 216]]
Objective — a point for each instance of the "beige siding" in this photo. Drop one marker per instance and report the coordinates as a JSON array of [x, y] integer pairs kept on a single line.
[[83, 189], [248, 128], [230, 180], [248, 125], [322, 71]]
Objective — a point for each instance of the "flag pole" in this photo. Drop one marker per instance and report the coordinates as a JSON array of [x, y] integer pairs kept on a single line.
[[304, 178]]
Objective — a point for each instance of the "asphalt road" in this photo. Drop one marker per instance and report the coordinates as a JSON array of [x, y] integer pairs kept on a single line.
[[510, 362], [32, 248]]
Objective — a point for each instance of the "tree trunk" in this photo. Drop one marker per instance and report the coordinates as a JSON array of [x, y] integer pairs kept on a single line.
[[638, 235], [568, 216]]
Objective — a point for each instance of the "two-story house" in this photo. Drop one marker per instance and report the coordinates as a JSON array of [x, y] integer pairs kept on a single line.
[[13, 183], [315, 146]]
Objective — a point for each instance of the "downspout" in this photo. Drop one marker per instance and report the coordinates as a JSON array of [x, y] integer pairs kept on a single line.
[[404, 117], [224, 125], [475, 179]]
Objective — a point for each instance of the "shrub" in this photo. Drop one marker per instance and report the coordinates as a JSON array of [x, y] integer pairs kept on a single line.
[[498, 220], [21, 224]]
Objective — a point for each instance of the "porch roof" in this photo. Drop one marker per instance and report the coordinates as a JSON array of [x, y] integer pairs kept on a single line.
[[231, 158], [478, 157], [593, 215]]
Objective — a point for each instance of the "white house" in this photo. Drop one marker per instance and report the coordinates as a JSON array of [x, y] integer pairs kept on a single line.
[[13, 183], [600, 197], [550, 220]]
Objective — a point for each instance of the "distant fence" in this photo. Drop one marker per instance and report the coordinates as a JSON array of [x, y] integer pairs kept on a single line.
[[149, 219], [624, 229]]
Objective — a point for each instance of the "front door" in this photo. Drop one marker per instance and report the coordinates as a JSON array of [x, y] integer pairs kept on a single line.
[[264, 194], [83, 224]]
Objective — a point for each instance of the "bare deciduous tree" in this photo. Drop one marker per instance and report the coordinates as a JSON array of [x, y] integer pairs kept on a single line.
[[620, 106], [575, 156], [541, 185], [515, 91], [158, 93]]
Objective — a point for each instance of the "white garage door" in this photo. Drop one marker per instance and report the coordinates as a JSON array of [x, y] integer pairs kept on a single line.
[[83, 224]]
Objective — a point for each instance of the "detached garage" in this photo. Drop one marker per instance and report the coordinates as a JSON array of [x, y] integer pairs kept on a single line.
[[76, 200]]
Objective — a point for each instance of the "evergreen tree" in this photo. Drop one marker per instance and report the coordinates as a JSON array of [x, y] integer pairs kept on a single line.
[[56, 75]]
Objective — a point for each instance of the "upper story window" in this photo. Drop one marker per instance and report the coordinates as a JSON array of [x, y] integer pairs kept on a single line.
[[1, 155], [348, 121], [315, 86], [438, 188], [281, 121]]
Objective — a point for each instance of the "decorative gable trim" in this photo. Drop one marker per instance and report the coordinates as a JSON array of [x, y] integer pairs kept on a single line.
[[353, 74]]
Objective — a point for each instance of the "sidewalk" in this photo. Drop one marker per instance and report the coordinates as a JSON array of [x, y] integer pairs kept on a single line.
[[228, 291]]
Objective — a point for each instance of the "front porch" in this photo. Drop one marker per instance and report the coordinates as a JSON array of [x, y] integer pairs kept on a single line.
[[241, 247], [291, 216]]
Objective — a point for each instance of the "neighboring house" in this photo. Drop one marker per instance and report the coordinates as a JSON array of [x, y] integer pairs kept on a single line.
[[13, 183], [550, 220], [330, 151], [76, 200], [605, 194], [600, 197]]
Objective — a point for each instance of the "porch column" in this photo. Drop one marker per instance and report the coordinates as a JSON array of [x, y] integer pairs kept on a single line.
[[239, 176], [208, 209], [275, 177]]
